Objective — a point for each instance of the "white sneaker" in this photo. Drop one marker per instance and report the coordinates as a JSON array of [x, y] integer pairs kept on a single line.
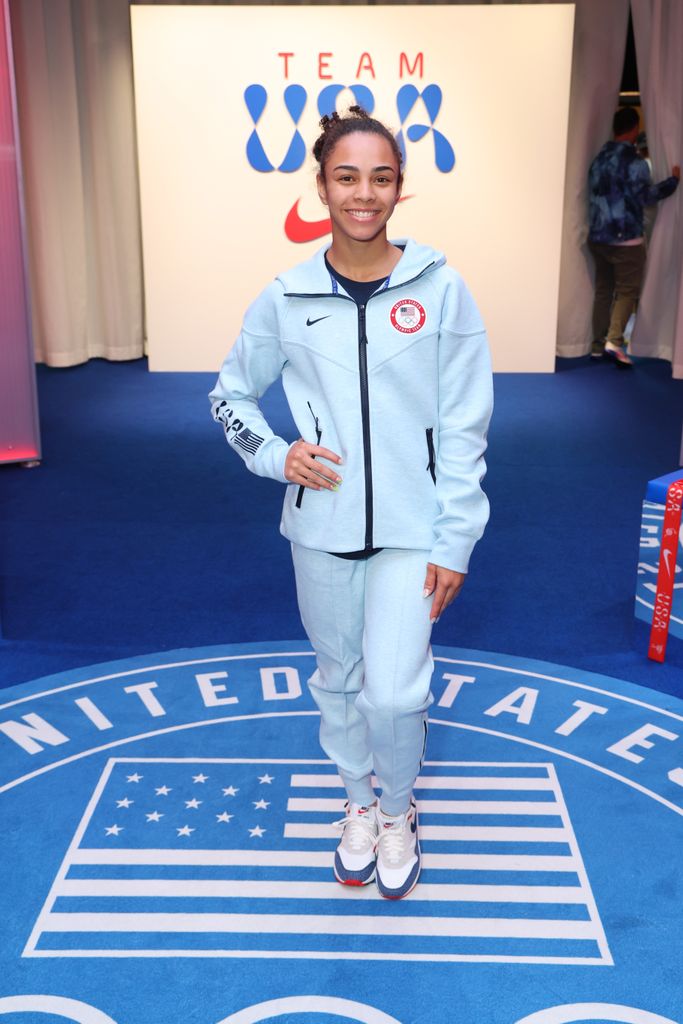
[[398, 854], [619, 353], [354, 859]]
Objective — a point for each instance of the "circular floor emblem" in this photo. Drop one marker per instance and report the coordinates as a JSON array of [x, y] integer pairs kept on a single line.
[[576, 1013], [57, 1006], [408, 316], [176, 806], [348, 1010]]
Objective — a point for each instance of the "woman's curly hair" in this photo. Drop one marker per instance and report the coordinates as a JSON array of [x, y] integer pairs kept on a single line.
[[334, 127]]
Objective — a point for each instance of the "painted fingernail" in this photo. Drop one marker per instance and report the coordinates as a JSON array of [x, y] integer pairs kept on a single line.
[[426, 593], [334, 487], [339, 479]]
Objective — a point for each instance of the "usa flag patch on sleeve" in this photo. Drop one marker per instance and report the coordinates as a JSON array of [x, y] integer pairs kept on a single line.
[[248, 441]]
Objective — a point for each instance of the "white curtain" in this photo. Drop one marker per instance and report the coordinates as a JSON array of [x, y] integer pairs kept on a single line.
[[658, 30], [600, 32], [75, 96], [75, 83]]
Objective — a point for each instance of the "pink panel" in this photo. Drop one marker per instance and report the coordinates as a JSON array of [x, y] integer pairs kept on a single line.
[[19, 438]]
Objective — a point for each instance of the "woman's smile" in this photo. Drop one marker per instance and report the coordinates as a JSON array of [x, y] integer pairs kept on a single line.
[[362, 214], [360, 186]]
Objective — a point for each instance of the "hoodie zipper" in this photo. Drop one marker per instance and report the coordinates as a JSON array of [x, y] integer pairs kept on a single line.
[[364, 390], [365, 416]]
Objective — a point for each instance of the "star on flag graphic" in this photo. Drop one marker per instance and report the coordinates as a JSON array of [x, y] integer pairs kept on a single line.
[[212, 808]]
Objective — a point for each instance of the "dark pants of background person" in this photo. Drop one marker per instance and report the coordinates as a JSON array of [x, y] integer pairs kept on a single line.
[[619, 271]]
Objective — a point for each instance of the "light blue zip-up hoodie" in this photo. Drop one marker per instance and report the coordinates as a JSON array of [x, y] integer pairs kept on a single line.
[[400, 389]]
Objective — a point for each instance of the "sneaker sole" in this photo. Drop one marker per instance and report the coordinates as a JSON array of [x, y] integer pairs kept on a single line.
[[354, 881], [620, 358], [401, 896]]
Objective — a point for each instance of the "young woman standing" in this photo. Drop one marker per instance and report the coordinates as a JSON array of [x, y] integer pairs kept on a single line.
[[385, 365]]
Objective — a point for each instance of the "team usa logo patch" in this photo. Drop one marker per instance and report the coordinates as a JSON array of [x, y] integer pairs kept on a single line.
[[408, 316]]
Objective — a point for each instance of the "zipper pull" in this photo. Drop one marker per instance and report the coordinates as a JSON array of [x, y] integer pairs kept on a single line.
[[361, 320], [318, 431]]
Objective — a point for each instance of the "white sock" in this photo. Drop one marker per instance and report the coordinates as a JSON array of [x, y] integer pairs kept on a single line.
[[357, 808], [389, 819]]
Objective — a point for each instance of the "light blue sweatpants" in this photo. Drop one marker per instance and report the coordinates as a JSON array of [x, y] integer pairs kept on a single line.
[[368, 624]]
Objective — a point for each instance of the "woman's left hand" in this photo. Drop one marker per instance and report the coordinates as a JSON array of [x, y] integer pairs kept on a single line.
[[445, 584]]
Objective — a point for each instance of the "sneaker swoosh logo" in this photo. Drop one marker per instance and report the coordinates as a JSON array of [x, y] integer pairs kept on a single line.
[[309, 323], [666, 555], [299, 230]]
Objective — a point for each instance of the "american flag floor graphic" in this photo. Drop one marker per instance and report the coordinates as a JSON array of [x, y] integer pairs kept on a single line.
[[232, 858]]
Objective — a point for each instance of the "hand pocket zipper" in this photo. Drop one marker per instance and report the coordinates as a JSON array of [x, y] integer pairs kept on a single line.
[[318, 435], [431, 465]]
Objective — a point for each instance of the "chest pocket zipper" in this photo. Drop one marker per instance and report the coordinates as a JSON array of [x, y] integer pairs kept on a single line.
[[318, 435], [431, 465]]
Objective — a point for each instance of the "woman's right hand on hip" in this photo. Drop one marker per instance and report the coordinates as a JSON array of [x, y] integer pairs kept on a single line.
[[302, 468]]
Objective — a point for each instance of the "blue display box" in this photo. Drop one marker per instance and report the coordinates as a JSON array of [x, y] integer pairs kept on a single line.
[[648, 559]]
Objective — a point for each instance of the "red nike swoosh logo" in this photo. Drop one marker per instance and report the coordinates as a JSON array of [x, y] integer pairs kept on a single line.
[[299, 230]]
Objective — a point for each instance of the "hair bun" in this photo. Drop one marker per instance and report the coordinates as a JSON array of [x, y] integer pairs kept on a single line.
[[334, 126], [327, 120]]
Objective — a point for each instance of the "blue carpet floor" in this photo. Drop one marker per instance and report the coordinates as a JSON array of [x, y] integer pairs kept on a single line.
[[141, 532], [167, 853], [167, 837]]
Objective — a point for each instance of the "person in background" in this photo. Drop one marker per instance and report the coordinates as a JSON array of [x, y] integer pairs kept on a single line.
[[620, 187]]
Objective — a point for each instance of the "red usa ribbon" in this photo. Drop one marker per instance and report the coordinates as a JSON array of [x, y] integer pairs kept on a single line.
[[667, 568]]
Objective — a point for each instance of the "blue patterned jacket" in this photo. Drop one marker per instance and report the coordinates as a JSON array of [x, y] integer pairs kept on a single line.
[[620, 186]]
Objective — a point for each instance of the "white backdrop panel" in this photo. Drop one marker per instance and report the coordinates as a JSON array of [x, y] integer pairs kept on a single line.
[[214, 226]]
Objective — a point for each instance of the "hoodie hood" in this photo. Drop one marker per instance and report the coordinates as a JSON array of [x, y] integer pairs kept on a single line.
[[313, 278]]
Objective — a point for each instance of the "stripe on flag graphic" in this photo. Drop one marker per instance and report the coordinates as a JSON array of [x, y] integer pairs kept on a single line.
[[231, 858], [248, 440]]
